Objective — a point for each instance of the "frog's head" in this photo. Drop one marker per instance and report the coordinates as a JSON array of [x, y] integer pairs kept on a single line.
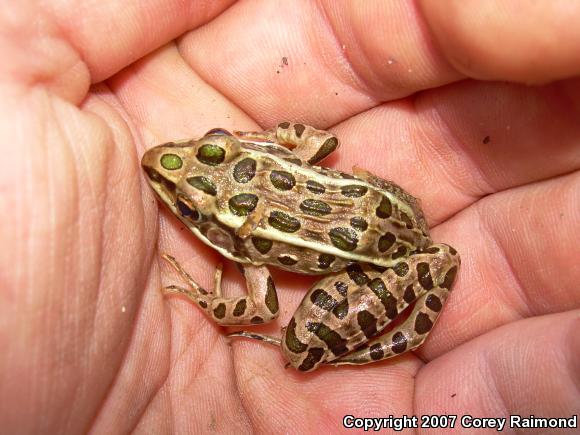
[[180, 172]]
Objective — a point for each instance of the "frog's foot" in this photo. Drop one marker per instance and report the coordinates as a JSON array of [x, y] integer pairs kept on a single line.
[[188, 279], [259, 306], [306, 142]]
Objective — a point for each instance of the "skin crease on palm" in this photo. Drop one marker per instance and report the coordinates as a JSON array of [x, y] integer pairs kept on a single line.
[[472, 108]]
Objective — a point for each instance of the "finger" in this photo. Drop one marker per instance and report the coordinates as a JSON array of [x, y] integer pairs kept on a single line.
[[317, 62], [73, 44], [165, 100], [266, 389], [528, 367], [529, 42], [453, 145], [519, 255]]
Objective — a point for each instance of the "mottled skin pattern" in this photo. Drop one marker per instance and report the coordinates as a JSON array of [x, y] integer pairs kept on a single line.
[[258, 199]]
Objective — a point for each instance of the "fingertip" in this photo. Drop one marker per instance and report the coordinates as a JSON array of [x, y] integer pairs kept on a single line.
[[522, 41]]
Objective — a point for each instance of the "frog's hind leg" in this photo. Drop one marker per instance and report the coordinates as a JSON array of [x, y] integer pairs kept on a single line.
[[306, 142], [406, 336], [259, 306]]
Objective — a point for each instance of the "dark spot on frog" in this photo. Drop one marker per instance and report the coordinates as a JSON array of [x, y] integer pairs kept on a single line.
[[386, 241], [314, 207], [486, 140], [385, 208], [341, 288], [325, 260], [376, 352], [367, 323], [344, 239], [315, 187], [322, 299], [271, 299], [243, 204], [299, 129], [291, 340], [401, 269], [211, 154], [409, 295], [449, 278], [327, 147], [332, 339], [203, 183], [356, 273], [282, 180], [287, 260], [219, 312], [283, 222], [407, 220], [399, 253], [353, 190], [433, 303], [240, 308], [379, 288], [262, 245], [423, 323], [341, 310], [313, 357], [244, 170], [399, 342], [359, 223], [171, 162], [424, 276]]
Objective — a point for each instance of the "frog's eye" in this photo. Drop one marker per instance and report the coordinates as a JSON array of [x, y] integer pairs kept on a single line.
[[219, 131], [186, 210]]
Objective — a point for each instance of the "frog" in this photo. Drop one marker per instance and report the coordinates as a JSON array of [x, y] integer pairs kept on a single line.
[[261, 199]]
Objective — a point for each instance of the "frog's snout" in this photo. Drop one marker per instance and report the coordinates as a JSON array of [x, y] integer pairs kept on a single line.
[[148, 158]]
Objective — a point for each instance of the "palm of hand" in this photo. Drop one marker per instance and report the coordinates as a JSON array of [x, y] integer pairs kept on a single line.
[[493, 163]]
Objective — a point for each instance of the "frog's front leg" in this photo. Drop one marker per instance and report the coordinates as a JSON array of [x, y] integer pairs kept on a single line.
[[259, 306], [305, 141]]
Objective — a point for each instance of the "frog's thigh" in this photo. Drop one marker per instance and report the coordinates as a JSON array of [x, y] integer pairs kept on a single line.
[[306, 142], [405, 337]]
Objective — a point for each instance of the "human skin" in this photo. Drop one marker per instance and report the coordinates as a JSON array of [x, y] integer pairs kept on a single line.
[[471, 106]]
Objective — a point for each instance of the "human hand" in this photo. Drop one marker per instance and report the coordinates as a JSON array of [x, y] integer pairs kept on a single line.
[[90, 343]]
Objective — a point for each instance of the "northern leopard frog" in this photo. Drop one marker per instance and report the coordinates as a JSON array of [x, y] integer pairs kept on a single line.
[[258, 199]]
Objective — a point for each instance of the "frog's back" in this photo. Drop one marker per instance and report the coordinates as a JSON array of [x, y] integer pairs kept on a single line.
[[285, 212]]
